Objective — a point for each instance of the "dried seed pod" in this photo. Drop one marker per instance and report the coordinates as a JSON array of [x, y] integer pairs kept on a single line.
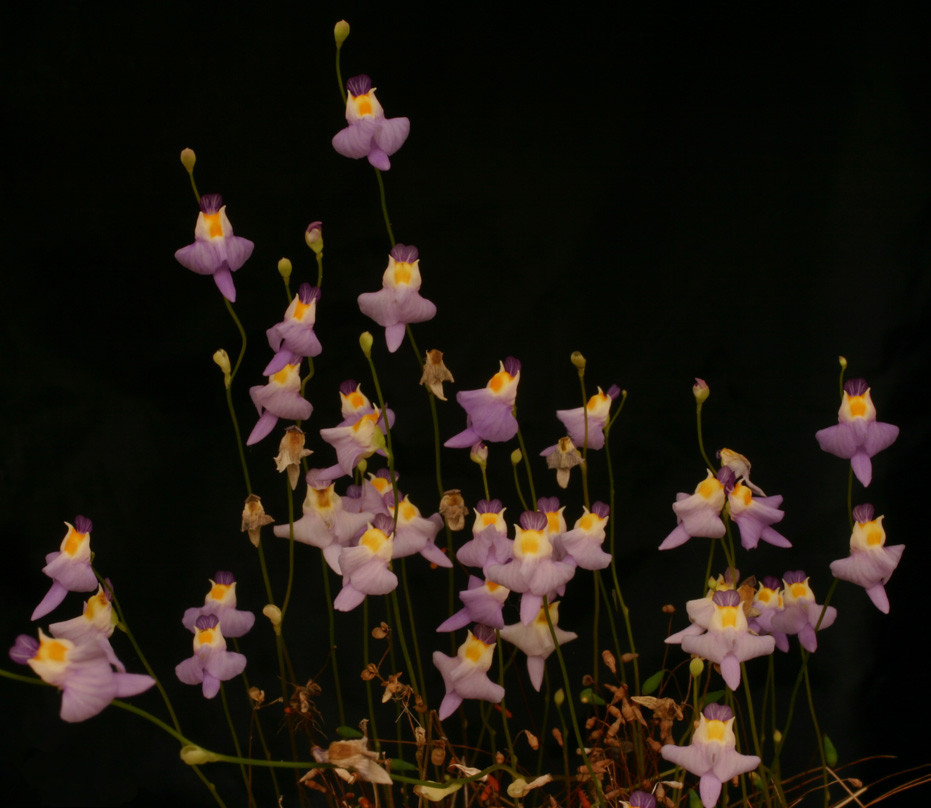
[[558, 736], [669, 609], [381, 631], [608, 658], [438, 753], [628, 657]]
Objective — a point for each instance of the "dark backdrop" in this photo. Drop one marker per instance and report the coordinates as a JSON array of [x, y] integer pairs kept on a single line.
[[714, 193]]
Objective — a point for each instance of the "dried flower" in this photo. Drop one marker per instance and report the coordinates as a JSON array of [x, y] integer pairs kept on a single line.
[[290, 453], [254, 518], [435, 373]]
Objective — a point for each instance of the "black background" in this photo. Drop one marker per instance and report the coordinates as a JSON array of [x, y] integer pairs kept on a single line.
[[716, 193]]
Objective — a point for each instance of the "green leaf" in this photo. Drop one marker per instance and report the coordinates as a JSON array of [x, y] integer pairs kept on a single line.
[[589, 696], [399, 765], [713, 697], [694, 799], [653, 683], [830, 752], [349, 732]]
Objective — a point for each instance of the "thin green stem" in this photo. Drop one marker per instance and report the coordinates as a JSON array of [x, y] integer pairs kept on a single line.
[[757, 746], [520, 493], [701, 440], [818, 736], [373, 733], [331, 624], [319, 257], [236, 746], [523, 449], [512, 758], [287, 593], [384, 205], [239, 446], [242, 338]]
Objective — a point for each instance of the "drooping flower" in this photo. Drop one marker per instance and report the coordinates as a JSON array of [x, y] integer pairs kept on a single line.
[[435, 373], [534, 570], [293, 338], [398, 302], [290, 453], [857, 436], [69, 567], [699, 514], [728, 640], [280, 397], [352, 756], [215, 251], [712, 754], [870, 563], [489, 409], [801, 613], [453, 509], [211, 663], [369, 133], [563, 457], [466, 674], [536, 641], [365, 566], [81, 670], [739, 464], [482, 602], [754, 515], [596, 412], [221, 601]]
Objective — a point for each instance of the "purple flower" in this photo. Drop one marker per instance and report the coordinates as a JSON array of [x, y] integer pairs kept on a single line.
[[365, 566], [489, 543], [280, 397], [728, 640], [767, 602], [414, 533], [870, 563], [466, 674], [293, 338], [211, 663], [536, 641], [754, 515], [69, 568], [355, 442], [699, 514], [490, 409], [483, 603], [215, 251], [95, 624], [584, 541], [533, 571], [221, 601], [369, 133], [858, 435], [398, 302], [712, 754], [81, 670], [598, 409], [800, 613], [326, 523]]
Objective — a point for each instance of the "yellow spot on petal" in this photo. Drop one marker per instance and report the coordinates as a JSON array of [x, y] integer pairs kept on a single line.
[[474, 649], [408, 511], [372, 418], [356, 399], [402, 272], [205, 636], [709, 487], [875, 537], [373, 538], [530, 542], [300, 309], [51, 651], [281, 377], [552, 521], [716, 730], [214, 224], [73, 542], [98, 601], [799, 590], [587, 521], [728, 616], [491, 586], [218, 591], [489, 518], [499, 380], [363, 104], [743, 493], [858, 406]]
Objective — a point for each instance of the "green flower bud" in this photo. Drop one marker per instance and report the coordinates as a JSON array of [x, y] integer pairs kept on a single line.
[[273, 613], [843, 362], [696, 666], [340, 32], [578, 360], [516, 457], [559, 697], [284, 269], [313, 236], [700, 390], [222, 359], [196, 756], [188, 158], [365, 343]]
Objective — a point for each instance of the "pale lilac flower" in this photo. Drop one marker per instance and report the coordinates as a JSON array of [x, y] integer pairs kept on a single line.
[[699, 514], [483, 603], [490, 409], [767, 602], [870, 563], [801, 613], [754, 515], [701, 610], [365, 566], [356, 441], [280, 397], [369, 133], [95, 624], [466, 674], [585, 539], [641, 799], [535, 640], [215, 251], [598, 409], [534, 571], [712, 754], [858, 435], [81, 670], [414, 533], [69, 567], [489, 543], [728, 640], [293, 338], [211, 663], [221, 601], [326, 523], [399, 301]]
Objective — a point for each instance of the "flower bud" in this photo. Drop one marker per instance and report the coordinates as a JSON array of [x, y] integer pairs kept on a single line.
[[188, 158], [365, 343], [222, 359], [273, 613], [696, 666], [340, 32], [284, 269], [479, 453], [700, 390], [578, 360], [842, 360], [516, 457], [196, 756], [777, 736], [559, 697], [313, 235]]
